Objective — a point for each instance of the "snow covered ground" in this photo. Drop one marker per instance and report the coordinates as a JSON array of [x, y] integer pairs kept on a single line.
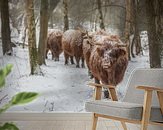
[[61, 88]]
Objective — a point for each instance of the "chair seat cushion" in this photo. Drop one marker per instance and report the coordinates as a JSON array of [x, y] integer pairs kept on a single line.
[[131, 111]]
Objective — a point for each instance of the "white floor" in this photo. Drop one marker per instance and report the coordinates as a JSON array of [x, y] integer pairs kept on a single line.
[[68, 125], [63, 121], [60, 121]]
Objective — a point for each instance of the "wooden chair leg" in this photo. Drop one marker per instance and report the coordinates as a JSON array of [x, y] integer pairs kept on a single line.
[[114, 98], [94, 122], [146, 110], [160, 98], [97, 96], [113, 94], [124, 125]]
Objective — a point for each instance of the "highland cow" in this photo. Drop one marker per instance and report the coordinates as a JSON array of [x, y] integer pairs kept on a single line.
[[106, 59], [94, 40], [54, 44], [72, 43]]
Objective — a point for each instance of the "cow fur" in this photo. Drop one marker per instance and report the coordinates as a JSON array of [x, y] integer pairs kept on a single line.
[[106, 61], [54, 44], [72, 43]]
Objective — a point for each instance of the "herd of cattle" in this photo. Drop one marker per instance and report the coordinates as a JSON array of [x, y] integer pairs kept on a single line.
[[105, 54]]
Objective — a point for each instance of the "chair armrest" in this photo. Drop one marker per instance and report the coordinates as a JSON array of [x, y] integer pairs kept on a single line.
[[148, 100], [149, 88], [101, 85]]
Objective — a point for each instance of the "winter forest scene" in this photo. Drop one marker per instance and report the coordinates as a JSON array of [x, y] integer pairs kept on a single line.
[[55, 48]]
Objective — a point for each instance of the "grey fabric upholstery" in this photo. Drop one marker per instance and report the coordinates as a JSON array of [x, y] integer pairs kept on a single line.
[[132, 105], [147, 77], [116, 109], [131, 111]]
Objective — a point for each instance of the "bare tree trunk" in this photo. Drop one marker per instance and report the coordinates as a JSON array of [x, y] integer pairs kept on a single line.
[[102, 26], [132, 27], [137, 43], [52, 6], [159, 12], [24, 37], [160, 20], [43, 32], [132, 48], [161, 28], [159, 24], [154, 43], [31, 37], [5, 28], [136, 40], [128, 26], [136, 30], [66, 22], [95, 23], [51, 21]]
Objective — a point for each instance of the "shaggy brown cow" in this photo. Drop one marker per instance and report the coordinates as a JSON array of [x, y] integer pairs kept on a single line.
[[93, 40], [106, 60], [72, 42], [54, 44]]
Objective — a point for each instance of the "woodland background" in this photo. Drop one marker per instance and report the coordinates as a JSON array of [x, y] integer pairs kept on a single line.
[[24, 26]]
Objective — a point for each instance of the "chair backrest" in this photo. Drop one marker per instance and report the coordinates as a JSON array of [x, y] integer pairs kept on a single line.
[[147, 77]]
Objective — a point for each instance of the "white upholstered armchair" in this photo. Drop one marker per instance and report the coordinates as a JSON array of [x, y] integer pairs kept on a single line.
[[142, 104]]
